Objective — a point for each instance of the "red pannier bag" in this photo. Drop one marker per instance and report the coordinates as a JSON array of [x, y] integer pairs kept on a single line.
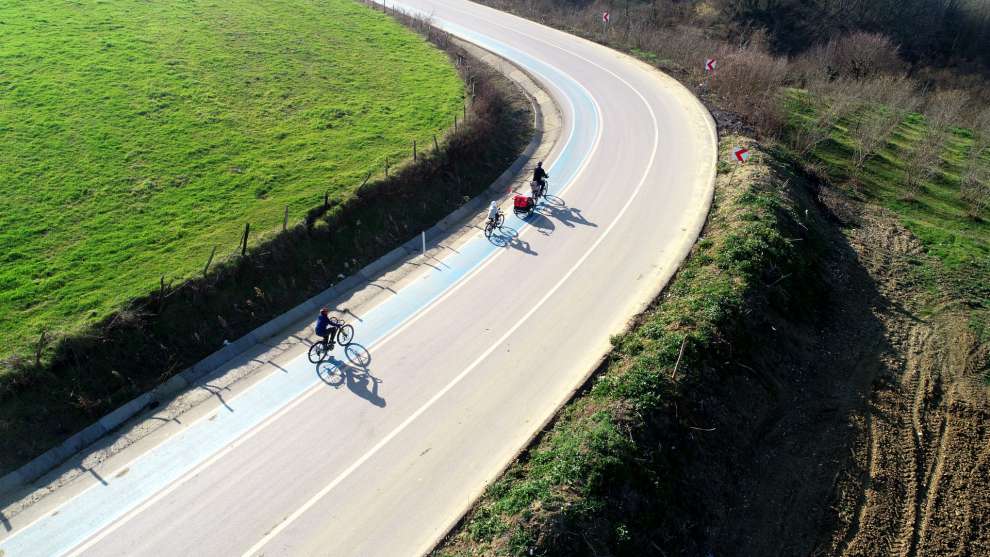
[[520, 201]]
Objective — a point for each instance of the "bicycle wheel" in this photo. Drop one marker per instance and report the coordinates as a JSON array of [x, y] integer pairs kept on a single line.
[[500, 220], [489, 227], [345, 335], [317, 352]]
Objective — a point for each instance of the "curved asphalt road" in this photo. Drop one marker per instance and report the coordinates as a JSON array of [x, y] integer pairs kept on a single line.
[[466, 363]]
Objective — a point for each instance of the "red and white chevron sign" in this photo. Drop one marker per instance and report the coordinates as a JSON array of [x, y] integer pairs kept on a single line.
[[742, 155], [605, 17], [710, 64]]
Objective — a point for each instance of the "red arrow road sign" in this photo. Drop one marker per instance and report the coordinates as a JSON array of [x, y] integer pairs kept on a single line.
[[710, 64], [742, 155], [605, 17]]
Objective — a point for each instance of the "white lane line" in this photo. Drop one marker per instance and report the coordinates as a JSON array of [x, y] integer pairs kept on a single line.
[[385, 440], [408, 322]]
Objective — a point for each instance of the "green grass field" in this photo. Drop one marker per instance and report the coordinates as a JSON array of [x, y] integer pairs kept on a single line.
[[136, 136], [936, 214]]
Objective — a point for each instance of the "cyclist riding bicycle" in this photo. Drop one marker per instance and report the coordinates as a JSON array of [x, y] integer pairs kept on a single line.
[[539, 175], [493, 211], [325, 327]]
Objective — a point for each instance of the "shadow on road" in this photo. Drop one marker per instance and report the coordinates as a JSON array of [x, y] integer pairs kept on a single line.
[[568, 216], [502, 236], [540, 222], [352, 371], [509, 237]]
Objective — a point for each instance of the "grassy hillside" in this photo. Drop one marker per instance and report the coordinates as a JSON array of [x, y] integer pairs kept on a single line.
[[933, 210], [137, 136]]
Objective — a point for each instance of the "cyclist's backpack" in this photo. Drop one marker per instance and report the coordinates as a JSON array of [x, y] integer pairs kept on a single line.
[[520, 201]]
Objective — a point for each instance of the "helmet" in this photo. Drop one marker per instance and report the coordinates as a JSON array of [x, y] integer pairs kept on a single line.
[[324, 311]]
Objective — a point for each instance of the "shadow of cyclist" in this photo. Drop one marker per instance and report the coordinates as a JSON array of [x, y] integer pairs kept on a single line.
[[502, 236], [539, 221], [353, 372], [568, 216]]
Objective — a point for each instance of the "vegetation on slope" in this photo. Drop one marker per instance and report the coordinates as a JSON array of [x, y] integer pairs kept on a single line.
[[138, 136], [853, 423], [931, 200], [600, 479]]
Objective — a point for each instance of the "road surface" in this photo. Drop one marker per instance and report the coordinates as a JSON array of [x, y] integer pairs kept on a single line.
[[379, 451]]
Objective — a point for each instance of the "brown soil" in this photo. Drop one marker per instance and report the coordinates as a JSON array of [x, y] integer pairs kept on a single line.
[[862, 430], [916, 478]]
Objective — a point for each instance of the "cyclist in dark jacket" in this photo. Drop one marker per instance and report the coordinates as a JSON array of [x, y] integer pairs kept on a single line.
[[540, 175], [324, 327]]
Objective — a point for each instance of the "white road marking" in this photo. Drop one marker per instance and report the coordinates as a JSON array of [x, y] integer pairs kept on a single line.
[[371, 452], [408, 322]]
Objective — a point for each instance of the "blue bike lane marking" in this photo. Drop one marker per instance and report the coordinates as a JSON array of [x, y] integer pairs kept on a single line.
[[100, 505]]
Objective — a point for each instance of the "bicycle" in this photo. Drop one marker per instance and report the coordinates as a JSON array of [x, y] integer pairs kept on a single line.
[[341, 333], [539, 189], [492, 223]]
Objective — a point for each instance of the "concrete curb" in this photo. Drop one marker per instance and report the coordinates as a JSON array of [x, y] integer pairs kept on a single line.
[[56, 456]]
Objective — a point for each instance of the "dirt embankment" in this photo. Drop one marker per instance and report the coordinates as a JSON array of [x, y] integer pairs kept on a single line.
[[916, 479], [862, 423]]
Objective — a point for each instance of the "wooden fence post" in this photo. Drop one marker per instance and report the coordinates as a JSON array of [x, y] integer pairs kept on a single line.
[[285, 219], [415, 157], [386, 167], [326, 199], [208, 261], [455, 123], [40, 347], [247, 228], [436, 146]]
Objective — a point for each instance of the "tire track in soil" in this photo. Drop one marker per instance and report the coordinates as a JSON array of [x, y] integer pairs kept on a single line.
[[914, 382], [915, 481], [966, 533], [934, 479], [863, 498]]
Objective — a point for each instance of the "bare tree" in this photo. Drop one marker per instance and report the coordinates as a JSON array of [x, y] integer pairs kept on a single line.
[[748, 82], [975, 184], [889, 99], [923, 159], [831, 101], [860, 55]]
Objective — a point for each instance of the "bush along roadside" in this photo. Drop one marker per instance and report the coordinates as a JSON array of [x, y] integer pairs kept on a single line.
[[601, 479], [47, 396]]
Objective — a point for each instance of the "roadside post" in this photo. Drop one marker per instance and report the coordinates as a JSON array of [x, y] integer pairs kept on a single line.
[[739, 155], [247, 229], [710, 65], [604, 24]]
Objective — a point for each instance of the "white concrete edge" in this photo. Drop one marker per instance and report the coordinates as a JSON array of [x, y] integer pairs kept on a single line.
[[189, 377]]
